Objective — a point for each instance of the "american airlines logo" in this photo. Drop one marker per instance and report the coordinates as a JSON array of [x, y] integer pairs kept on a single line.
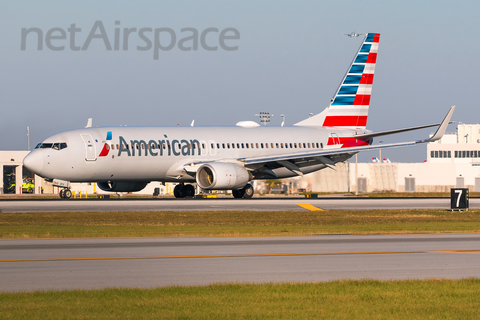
[[154, 148], [155, 39]]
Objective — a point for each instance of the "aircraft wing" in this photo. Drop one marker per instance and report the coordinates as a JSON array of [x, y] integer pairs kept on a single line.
[[363, 136], [295, 160]]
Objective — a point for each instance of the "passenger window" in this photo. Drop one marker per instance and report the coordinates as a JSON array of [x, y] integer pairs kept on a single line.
[[252, 146], [212, 146], [238, 145], [308, 145], [304, 145], [291, 145], [228, 145], [246, 144], [218, 145], [276, 145], [223, 145], [321, 145], [256, 145], [117, 146], [281, 145], [271, 145], [266, 145], [243, 146]]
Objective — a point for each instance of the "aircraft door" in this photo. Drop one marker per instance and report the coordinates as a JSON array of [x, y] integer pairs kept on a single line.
[[91, 151], [212, 147], [335, 138]]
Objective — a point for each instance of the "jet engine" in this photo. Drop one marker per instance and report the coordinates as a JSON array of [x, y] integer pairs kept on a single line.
[[222, 176], [122, 186]]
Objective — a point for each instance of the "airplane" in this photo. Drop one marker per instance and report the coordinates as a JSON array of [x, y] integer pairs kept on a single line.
[[353, 34], [126, 159]]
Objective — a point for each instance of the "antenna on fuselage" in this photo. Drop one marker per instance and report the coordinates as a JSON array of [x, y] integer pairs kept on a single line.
[[89, 123], [191, 124], [283, 119]]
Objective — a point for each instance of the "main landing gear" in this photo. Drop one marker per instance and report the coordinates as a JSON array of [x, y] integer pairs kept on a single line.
[[246, 192], [65, 193], [188, 191], [183, 191]]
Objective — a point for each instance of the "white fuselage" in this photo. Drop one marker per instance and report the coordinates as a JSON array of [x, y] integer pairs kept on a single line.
[[161, 153]]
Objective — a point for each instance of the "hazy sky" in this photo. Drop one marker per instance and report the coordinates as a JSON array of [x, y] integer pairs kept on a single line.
[[291, 57]]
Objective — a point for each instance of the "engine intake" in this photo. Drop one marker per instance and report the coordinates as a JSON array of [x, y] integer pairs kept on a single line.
[[222, 176], [122, 186]]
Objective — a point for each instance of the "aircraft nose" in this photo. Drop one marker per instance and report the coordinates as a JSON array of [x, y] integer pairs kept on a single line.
[[34, 161]]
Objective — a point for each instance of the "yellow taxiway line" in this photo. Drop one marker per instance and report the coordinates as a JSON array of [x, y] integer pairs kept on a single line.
[[245, 255], [310, 207]]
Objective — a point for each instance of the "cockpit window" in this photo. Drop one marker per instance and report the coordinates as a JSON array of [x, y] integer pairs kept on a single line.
[[59, 145], [55, 146]]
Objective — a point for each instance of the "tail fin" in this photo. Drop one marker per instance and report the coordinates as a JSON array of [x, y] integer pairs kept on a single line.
[[349, 107]]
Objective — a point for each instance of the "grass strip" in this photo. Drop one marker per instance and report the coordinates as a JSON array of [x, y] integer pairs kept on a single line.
[[233, 223], [345, 299]]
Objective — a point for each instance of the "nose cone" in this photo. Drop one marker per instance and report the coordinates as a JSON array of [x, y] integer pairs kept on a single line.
[[34, 161]]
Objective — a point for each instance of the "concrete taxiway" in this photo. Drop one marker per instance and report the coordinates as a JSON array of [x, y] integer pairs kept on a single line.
[[256, 204], [101, 263]]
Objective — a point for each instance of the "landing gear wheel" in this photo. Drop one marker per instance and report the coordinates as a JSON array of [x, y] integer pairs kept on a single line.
[[237, 194], [179, 191], [62, 193], [67, 194], [248, 191], [189, 190]]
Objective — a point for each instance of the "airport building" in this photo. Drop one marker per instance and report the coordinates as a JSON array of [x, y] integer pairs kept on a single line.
[[453, 161]]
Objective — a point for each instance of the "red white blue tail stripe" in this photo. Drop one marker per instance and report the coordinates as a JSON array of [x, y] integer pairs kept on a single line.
[[349, 107]]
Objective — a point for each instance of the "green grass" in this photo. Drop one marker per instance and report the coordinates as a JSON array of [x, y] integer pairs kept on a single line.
[[347, 299], [233, 223]]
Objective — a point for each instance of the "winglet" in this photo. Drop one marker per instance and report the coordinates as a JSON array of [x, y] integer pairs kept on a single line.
[[441, 129]]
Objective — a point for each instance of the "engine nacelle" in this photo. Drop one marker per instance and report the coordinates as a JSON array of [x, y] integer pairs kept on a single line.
[[122, 186], [222, 176]]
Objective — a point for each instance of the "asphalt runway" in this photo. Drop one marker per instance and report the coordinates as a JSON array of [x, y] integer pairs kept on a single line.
[[27, 265], [256, 204]]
